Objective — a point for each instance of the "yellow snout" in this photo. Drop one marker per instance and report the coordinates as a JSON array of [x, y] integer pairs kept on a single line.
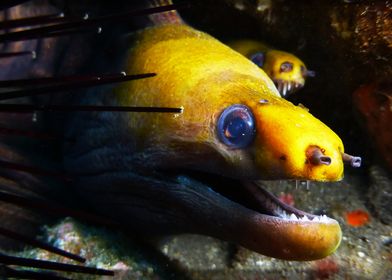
[[292, 144]]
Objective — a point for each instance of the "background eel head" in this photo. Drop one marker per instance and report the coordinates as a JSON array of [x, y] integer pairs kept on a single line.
[[198, 171], [286, 70]]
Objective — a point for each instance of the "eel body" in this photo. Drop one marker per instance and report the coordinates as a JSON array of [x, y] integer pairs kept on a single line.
[[286, 70], [139, 168]]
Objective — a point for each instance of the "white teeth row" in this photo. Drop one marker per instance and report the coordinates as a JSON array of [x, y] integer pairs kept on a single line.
[[283, 214], [286, 88], [293, 217]]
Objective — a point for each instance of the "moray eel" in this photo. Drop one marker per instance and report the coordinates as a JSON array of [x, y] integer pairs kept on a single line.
[[199, 171], [286, 70]]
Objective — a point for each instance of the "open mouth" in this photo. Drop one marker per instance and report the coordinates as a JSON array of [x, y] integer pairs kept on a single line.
[[269, 204], [286, 88], [252, 195]]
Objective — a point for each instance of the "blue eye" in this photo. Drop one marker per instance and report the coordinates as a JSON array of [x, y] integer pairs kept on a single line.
[[236, 126], [258, 59]]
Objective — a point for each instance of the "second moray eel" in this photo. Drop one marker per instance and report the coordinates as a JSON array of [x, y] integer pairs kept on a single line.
[[286, 70], [160, 173]]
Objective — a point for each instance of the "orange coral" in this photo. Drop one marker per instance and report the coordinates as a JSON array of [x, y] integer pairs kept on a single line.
[[357, 218]]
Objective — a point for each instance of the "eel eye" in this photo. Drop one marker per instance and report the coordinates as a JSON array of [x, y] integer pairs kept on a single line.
[[236, 126], [258, 59], [286, 67]]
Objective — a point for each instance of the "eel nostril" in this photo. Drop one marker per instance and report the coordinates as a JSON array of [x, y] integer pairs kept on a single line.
[[325, 160], [352, 160], [316, 156]]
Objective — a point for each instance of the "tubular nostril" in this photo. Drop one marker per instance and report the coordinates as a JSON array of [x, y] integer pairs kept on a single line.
[[310, 73], [325, 160], [316, 156], [353, 161]]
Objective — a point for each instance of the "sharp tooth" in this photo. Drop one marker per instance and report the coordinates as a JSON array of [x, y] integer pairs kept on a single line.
[[293, 217], [305, 218], [322, 218], [285, 216], [289, 86]]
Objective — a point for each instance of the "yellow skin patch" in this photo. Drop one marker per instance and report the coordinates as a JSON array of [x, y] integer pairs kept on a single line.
[[288, 78], [202, 75], [275, 137]]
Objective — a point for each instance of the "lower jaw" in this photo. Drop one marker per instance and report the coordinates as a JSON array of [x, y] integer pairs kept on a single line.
[[299, 241], [264, 224]]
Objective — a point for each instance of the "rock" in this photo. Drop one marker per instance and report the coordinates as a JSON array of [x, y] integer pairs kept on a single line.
[[374, 103], [380, 194]]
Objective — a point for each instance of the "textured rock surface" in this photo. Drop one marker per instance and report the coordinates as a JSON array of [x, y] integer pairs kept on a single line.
[[374, 104], [380, 194]]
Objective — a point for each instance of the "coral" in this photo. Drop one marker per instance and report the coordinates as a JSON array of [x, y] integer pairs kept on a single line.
[[357, 218]]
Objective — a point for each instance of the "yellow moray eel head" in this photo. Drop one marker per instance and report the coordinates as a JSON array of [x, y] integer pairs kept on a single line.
[[197, 171], [286, 70]]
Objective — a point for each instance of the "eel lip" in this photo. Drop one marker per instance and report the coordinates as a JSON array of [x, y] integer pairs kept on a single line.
[[285, 232]]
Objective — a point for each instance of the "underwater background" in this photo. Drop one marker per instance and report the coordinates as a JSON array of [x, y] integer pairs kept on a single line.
[[347, 43]]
